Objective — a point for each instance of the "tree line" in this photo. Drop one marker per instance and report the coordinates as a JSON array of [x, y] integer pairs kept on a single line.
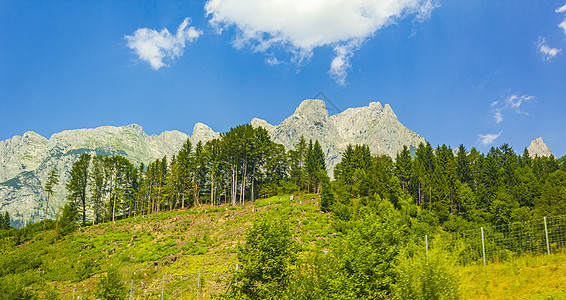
[[455, 187], [241, 165]]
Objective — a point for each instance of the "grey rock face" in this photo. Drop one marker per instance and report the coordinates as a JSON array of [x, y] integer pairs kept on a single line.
[[377, 127], [26, 161], [262, 123], [203, 133], [373, 125], [311, 120], [539, 148]]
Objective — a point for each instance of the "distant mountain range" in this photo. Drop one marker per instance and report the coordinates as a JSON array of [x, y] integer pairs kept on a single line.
[[26, 160]]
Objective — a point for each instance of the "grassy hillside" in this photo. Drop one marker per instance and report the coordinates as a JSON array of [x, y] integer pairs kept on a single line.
[[173, 246]]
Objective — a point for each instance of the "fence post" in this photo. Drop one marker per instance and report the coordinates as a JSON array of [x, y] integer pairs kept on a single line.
[[198, 283], [131, 289], [162, 286], [546, 234], [426, 245], [73, 293], [483, 246]]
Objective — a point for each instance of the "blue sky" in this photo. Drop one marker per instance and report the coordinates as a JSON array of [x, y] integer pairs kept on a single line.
[[476, 72]]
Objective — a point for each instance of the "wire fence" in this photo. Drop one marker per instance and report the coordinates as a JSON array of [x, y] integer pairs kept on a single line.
[[540, 236]]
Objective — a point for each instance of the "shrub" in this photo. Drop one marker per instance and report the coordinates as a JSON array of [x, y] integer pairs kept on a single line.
[[432, 277], [111, 286], [265, 260]]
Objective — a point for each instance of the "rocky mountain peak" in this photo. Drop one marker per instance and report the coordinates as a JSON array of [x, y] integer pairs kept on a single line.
[[387, 110], [539, 148], [135, 128], [262, 123], [313, 109], [202, 133]]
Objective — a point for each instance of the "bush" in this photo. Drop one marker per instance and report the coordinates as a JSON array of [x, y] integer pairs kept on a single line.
[[15, 289], [67, 223], [265, 260], [432, 277], [111, 286]]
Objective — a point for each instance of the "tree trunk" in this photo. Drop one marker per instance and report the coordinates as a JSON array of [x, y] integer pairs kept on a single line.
[[420, 200], [57, 224], [212, 188], [252, 188], [46, 207], [430, 197], [114, 206], [242, 188], [234, 185]]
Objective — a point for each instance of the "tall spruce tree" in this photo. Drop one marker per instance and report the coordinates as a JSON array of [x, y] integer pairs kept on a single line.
[[403, 163], [52, 181], [77, 185]]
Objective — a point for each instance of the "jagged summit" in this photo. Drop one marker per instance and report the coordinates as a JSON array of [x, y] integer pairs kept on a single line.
[[203, 133], [255, 122], [374, 125], [539, 148], [312, 108]]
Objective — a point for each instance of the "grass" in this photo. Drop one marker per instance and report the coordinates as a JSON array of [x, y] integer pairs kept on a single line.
[[526, 277], [175, 245]]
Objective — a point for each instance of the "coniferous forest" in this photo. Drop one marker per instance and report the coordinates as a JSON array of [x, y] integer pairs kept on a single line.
[[455, 187], [379, 210]]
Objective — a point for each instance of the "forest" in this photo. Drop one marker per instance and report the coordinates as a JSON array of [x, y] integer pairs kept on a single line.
[[457, 188], [379, 208]]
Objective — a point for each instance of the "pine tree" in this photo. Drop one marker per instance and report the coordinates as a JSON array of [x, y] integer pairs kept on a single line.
[[77, 185], [67, 224], [5, 220], [52, 181], [297, 162], [403, 163], [463, 165]]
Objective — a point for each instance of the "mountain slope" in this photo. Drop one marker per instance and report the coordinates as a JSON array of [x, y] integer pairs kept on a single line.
[[26, 161]]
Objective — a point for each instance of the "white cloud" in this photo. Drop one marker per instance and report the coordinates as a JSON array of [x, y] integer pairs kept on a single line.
[[488, 139], [498, 117], [272, 61], [547, 51], [155, 46], [300, 26], [513, 102], [562, 9]]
